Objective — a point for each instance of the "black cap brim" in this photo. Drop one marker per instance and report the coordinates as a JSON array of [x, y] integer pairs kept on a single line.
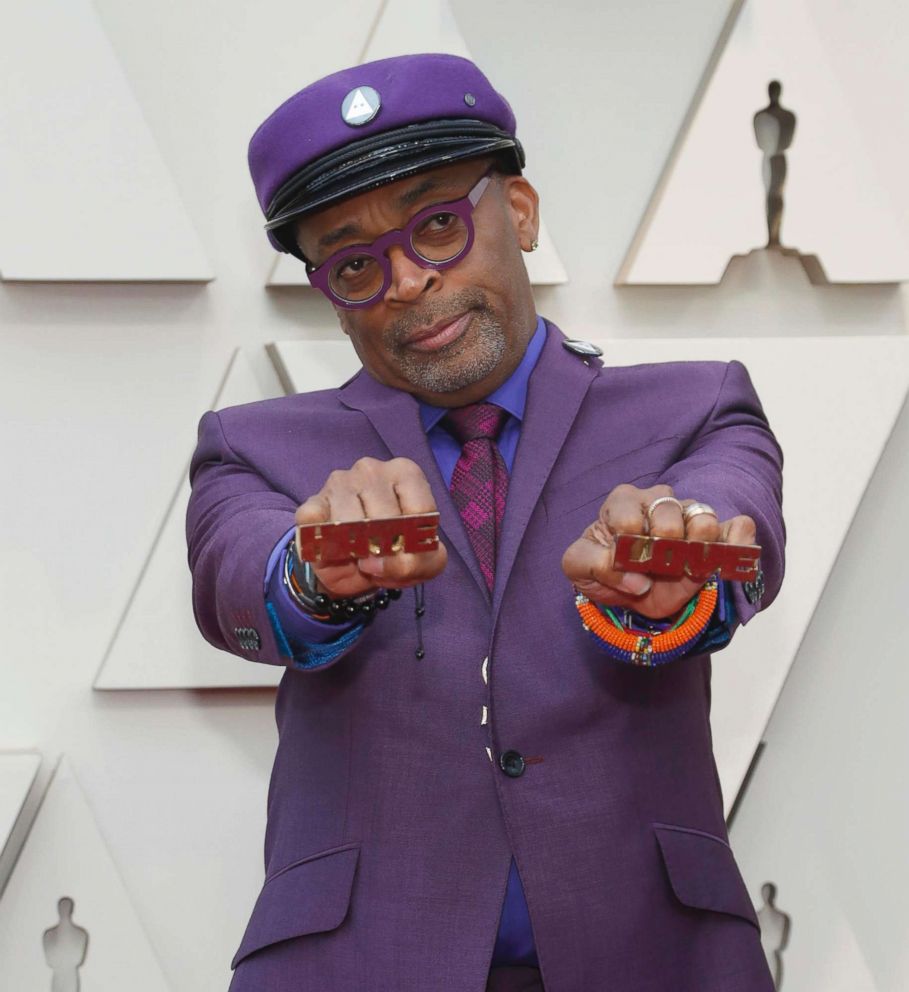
[[380, 159]]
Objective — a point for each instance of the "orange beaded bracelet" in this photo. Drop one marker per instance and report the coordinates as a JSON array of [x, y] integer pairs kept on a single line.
[[649, 649]]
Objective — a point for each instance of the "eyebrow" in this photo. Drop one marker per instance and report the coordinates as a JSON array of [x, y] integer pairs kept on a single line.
[[404, 200], [413, 195], [338, 234]]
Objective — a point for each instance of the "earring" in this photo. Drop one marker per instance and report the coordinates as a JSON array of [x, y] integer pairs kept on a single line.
[[534, 245]]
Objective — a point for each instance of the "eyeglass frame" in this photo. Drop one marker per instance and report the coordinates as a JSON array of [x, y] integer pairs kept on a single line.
[[320, 275]]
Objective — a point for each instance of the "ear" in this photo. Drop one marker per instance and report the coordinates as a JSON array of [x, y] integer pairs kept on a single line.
[[524, 208]]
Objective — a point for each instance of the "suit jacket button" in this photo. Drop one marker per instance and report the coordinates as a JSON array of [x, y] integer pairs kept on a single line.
[[512, 763]]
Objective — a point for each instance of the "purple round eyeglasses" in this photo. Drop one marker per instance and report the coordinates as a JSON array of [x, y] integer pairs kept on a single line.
[[436, 237]]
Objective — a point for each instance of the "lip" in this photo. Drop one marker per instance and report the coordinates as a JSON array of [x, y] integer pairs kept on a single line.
[[440, 334]]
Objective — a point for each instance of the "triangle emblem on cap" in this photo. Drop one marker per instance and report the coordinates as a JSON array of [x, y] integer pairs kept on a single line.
[[360, 106]]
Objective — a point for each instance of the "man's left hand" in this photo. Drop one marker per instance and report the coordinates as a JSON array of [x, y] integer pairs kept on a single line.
[[588, 563]]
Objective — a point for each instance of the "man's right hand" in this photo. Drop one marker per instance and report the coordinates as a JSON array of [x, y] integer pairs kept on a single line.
[[373, 488]]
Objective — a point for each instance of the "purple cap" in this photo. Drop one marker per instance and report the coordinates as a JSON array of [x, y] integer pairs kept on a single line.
[[372, 124]]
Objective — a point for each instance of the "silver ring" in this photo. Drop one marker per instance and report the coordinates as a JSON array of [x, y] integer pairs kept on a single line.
[[696, 509], [662, 499]]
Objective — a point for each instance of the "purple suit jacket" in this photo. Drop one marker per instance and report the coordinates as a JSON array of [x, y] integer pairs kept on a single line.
[[390, 827]]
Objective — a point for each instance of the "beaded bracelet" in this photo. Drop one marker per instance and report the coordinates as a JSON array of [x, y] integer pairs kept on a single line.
[[324, 608], [641, 647]]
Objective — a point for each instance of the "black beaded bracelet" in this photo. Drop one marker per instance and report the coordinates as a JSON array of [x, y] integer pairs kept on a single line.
[[358, 608], [301, 583]]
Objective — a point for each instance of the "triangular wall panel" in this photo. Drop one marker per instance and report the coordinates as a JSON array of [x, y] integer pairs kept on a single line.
[[287, 270], [84, 192], [709, 202], [157, 644], [17, 775], [823, 438], [304, 366], [405, 27], [825, 814], [65, 856], [408, 27]]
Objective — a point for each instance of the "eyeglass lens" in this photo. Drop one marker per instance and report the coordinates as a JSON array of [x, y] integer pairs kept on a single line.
[[438, 238]]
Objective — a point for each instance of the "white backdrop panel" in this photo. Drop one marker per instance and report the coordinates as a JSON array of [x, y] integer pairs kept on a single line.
[[17, 773], [65, 855], [709, 203], [826, 814], [304, 366], [84, 193], [157, 644], [405, 27]]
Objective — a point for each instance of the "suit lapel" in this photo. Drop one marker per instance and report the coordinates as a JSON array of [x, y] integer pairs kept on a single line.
[[395, 416], [557, 388]]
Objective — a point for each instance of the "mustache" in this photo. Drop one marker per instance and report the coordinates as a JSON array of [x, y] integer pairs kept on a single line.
[[430, 313]]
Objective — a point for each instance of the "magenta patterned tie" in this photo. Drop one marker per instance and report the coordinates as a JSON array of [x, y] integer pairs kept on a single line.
[[479, 482]]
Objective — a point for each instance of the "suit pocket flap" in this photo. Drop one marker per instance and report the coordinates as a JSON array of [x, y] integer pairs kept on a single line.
[[703, 872], [309, 896]]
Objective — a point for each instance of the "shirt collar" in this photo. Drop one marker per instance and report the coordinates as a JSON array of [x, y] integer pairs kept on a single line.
[[511, 396]]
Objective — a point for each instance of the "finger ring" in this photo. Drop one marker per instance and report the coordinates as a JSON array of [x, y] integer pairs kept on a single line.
[[656, 503], [696, 509]]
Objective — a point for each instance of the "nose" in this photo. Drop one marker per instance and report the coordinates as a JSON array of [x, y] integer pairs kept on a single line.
[[409, 281]]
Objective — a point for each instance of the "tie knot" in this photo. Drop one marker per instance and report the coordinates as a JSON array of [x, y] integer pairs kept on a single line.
[[477, 420]]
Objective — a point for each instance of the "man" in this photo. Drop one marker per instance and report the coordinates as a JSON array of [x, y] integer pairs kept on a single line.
[[471, 789]]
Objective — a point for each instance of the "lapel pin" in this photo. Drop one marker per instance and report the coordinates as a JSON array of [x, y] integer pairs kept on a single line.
[[583, 348]]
